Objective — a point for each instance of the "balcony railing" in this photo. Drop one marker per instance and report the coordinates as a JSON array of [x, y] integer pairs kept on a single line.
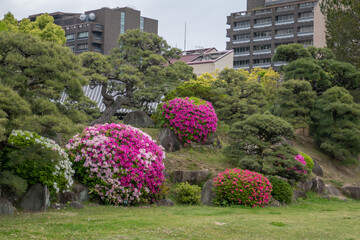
[[239, 28], [284, 36], [278, 64], [242, 66], [240, 54], [278, 23], [257, 39], [241, 41], [302, 34], [261, 25], [307, 19], [262, 65], [258, 52]]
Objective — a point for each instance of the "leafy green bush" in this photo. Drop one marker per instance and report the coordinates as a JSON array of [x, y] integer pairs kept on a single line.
[[281, 189], [186, 193], [309, 161], [15, 183]]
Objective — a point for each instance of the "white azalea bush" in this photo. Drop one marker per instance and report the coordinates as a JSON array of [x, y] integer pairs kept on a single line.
[[39, 160]]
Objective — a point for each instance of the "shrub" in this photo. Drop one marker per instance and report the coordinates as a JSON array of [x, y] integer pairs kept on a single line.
[[281, 189], [241, 187], [15, 183], [192, 119], [186, 193], [120, 163], [309, 161], [39, 160]]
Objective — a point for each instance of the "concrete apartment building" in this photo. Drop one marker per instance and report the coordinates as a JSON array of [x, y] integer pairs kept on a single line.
[[266, 24], [207, 60], [98, 30]]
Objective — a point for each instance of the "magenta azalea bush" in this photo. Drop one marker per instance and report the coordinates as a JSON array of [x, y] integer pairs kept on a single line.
[[242, 187], [301, 160], [120, 163], [192, 119]]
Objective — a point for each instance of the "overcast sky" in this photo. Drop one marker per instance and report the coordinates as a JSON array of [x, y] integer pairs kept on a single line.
[[205, 19]]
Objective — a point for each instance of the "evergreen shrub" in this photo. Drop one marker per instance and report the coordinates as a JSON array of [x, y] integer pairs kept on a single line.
[[186, 193], [281, 189]]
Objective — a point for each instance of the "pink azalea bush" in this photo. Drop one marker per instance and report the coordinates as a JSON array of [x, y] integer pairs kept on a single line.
[[192, 119], [301, 160], [120, 163], [242, 187]]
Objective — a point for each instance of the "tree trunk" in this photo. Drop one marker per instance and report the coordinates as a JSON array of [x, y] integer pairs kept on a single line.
[[108, 113]]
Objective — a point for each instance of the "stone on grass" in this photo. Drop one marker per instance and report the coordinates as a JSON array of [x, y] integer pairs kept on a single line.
[[192, 177], [318, 185], [305, 186], [138, 119], [81, 193], [207, 193], [299, 194], [66, 197], [36, 199], [274, 203], [165, 203], [330, 189], [317, 170], [6, 208], [351, 191], [57, 206], [168, 140], [76, 205]]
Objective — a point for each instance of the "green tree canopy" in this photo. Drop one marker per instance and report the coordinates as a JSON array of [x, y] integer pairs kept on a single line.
[[294, 103], [336, 124], [42, 27], [343, 29], [290, 52], [137, 73]]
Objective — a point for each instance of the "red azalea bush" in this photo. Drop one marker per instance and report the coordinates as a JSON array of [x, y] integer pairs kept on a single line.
[[192, 119], [120, 163], [242, 187]]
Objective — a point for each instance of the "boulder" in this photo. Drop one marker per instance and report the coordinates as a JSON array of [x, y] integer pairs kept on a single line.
[[165, 203], [138, 119], [57, 206], [76, 205], [192, 177], [274, 203], [351, 191], [317, 170], [305, 186], [318, 185], [6, 208], [66, 197], [333, 191], [213, 142], [325, 196], [299, 194], [36, 199], [208, 193], [168, 140], [81, 193]]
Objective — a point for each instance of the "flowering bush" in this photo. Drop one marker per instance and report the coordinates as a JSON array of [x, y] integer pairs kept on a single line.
[[40, 160], [242, 187], [301, 160], [120, 163], [192, 119], [309, 162]]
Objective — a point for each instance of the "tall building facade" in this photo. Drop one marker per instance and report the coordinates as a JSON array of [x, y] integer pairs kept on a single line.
[[98, 30], [266, 24]]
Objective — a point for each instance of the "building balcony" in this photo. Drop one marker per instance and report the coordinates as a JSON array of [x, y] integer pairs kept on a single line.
[[241, 41], [97, 39], [262, 65], [284, 36], [258, 39], [260, 52], [309, 19], [97, 28], [241, 54], [241, 28], [82, 50], [241, 66], [279, 23], [242, 14], [277, 2], [303, 34], [278, 64], [262, 25]]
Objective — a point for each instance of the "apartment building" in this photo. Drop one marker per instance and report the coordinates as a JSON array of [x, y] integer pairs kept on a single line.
[[98, 30], [266, 24]]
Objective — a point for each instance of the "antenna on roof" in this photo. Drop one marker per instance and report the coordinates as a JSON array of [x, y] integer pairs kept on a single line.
[[185, 38]]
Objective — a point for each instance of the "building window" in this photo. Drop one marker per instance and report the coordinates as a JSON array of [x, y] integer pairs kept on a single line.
[[285, 8], [262, 34], [285, 18], [262, 61], [241, 63], [72, 48], [82, 35], [241, 50], [306, 29], [142, 24], [282, 32], [306, 43], [70, 37], [262, 47], [245, 36], [82, 47], [263, 11], [306, 15], [122, 22], [307, 5], [242, 24], [262, 20]]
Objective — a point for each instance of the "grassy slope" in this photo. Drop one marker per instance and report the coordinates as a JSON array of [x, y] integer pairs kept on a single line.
[[311, 219]]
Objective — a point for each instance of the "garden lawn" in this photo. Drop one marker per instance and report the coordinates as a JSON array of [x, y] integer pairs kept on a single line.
[[311, 219]]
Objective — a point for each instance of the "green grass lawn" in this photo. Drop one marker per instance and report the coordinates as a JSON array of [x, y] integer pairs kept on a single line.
[[311, 219]]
